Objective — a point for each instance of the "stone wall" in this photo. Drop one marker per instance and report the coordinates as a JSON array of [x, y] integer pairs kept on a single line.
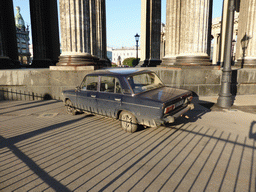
[[37, 84]]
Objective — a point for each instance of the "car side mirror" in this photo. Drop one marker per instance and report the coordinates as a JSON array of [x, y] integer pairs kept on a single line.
[[78, 89]]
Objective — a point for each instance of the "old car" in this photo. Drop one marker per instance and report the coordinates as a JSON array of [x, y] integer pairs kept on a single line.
[[134, 96]]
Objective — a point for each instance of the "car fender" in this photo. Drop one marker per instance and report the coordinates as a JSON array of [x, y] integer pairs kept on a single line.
[[119, 110], [140, 120]]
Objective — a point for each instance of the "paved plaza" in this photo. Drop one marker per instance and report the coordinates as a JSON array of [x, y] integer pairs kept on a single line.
[[45, 149]]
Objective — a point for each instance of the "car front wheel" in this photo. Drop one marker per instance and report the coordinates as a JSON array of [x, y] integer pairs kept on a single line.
[[69, 108], [128, 122]]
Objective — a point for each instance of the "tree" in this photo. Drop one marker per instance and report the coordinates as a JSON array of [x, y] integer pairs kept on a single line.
[[131, 62]]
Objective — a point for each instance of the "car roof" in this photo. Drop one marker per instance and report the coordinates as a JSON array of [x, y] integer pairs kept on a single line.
[[119, 72]]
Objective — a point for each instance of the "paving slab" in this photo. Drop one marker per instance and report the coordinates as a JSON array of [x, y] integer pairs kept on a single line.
[[44, 149]]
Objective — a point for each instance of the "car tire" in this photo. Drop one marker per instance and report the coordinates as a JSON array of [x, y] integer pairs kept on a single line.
[[69, 108], [128, 122]]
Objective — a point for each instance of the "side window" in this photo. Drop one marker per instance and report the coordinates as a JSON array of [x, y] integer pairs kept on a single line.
[[110, 84], [90, 83]]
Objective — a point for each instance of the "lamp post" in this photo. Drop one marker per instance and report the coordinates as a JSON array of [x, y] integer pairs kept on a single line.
[[137, 37], [225, 96]]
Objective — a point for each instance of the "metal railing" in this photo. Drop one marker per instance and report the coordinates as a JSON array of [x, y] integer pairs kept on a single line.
[[11, 94]]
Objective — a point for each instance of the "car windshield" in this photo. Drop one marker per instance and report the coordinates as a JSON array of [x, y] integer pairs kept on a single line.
[[144, 82]]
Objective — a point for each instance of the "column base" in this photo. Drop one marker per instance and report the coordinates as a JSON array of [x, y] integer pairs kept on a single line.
[[149, 63], [71, 68], [168, 61], [7, 63], [104, 63], [77, 60], [193, 60], [246, 63], [142, 63], [41, 63]]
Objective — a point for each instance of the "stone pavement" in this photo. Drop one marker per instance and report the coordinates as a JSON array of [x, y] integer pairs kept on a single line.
[[246, 103], [44, 149]]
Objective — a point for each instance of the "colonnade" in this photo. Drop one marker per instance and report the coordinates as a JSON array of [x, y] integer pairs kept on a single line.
[[83, 33]]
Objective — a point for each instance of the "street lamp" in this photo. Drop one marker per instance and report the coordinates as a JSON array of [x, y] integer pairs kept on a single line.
[[225, 96], [137, 37]]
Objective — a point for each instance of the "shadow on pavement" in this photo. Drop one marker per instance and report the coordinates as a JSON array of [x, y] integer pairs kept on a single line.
[[192, 115], [10, 143], [21, 103], [252, 133], [36, 169], [98, 156], [35, 106]]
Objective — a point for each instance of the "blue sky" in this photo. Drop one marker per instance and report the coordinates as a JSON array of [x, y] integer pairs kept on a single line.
[[123, 19]]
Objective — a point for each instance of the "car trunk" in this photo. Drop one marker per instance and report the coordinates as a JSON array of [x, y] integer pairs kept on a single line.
[[166, 95]]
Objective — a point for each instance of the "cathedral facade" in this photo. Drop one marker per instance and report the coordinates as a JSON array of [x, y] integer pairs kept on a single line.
[[22, 33]]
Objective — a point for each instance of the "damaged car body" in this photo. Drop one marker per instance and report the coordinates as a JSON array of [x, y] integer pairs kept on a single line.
[[134, 96]]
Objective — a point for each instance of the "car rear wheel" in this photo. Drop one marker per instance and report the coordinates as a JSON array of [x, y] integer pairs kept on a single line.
[[128, 122], [69, 108]]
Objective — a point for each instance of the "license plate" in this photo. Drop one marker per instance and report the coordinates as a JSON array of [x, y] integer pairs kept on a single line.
[[179, 103]]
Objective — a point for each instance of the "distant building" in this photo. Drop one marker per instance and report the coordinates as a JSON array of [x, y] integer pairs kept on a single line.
[[119, 55], [22, 34]]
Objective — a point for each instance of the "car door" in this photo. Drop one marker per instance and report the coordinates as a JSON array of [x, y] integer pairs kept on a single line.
[[87, 94], [109, 96]]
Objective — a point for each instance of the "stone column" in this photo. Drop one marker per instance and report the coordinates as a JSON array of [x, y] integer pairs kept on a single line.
[[195, 32], [246, 41], [188, 28], [98, 30], [101, 29], [93, 24], [76, 26], [8, 41], [172, 37], [215, 55], [150, 33], [45, 32]]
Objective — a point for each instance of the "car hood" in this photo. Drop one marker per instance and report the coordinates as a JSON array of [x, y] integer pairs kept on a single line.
[[164, 94]]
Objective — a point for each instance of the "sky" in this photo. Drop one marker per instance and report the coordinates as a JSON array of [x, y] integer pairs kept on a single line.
[[123, 19]]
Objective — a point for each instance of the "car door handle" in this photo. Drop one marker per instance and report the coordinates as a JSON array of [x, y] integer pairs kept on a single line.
[[93, 96], [117, 99]]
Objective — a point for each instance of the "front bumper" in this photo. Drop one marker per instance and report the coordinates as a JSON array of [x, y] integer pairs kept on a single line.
[[171, 118]]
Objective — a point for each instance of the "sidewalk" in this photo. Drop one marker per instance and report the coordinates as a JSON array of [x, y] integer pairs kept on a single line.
[[239, 100], [44, 149], [245, 103]]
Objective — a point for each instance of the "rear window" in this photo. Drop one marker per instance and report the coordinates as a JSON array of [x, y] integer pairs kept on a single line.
[[144, 82]]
